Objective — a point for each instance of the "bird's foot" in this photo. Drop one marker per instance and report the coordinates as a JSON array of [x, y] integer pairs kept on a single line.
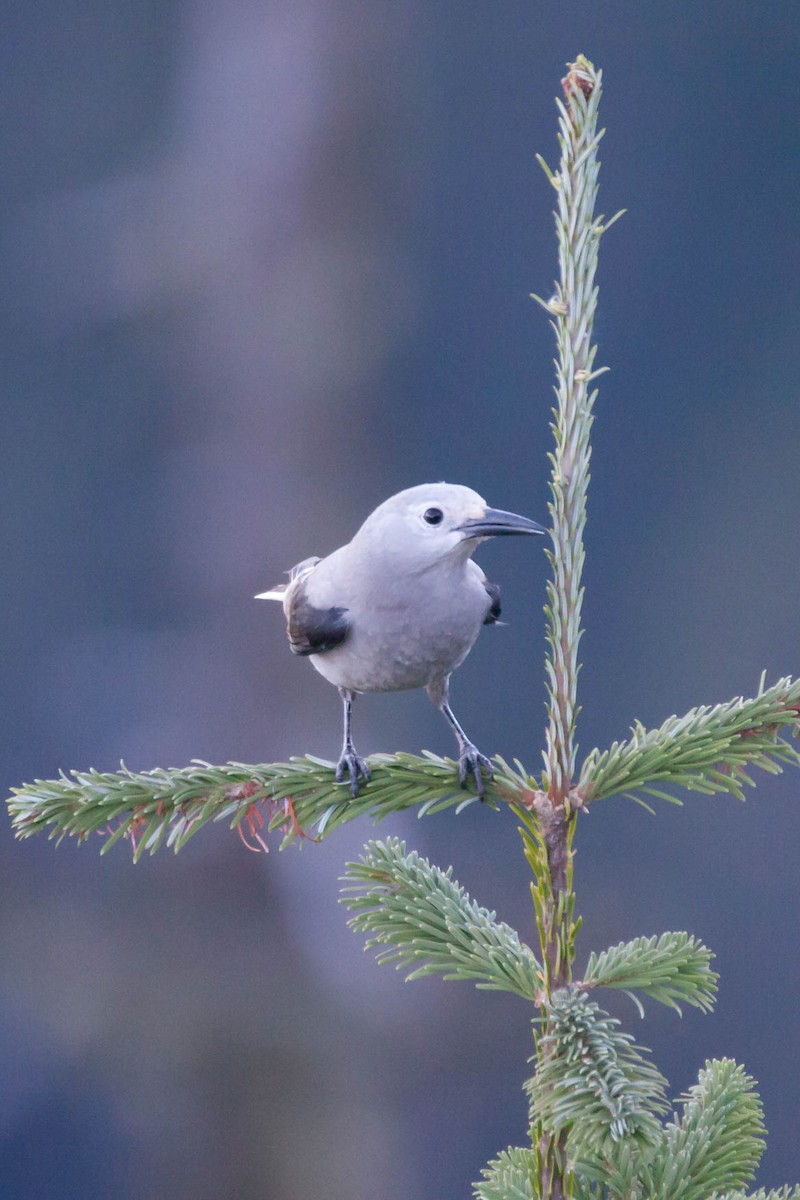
[[472, 762], [350, 765]]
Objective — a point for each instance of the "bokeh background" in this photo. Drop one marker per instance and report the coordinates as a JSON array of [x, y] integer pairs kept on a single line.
[[265, 263]]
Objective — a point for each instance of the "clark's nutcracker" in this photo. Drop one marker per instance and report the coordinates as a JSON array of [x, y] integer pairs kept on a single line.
[[400, 606]]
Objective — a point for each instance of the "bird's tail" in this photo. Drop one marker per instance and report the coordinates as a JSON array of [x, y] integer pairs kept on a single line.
[[278, 592]]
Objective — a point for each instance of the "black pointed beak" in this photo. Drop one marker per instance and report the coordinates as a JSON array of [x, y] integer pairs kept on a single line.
[[496, 523]]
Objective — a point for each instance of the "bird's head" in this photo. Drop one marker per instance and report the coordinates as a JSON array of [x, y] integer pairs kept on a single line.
[[437, 521]]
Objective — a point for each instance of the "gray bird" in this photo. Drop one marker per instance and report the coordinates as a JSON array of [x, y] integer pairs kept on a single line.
[[400, 606]]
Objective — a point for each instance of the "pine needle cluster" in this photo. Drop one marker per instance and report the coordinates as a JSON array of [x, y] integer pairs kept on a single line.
[[428, 921]]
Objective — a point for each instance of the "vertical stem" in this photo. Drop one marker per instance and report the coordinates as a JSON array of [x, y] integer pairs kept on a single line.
[[555, 909], [572, 307], [572, 310]]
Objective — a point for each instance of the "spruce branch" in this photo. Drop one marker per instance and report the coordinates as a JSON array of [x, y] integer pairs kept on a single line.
[[426, 920], [716, 1144], [300, 798], [707, 750], [673, 969], [510, 1176], [592, 1081]]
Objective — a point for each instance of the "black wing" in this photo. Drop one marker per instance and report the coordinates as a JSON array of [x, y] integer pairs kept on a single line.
[[314, 630], [493, 615]]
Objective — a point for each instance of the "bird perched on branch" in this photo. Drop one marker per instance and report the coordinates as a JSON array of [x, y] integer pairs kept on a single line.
[[400, 606]]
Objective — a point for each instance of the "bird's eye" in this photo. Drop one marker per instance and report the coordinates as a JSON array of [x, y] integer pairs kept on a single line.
[[432, 516]]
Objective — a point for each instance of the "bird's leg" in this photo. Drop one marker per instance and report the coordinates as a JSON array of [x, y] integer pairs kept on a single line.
[[470, 759], [349, 763]]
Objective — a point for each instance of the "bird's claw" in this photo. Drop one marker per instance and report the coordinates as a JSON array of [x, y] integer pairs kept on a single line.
[[472, 762], [351, 766]]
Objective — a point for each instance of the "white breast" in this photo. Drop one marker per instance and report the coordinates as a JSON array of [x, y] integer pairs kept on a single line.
[[406, 631]]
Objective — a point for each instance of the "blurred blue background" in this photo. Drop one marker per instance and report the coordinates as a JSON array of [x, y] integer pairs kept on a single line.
[[263, 265]]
